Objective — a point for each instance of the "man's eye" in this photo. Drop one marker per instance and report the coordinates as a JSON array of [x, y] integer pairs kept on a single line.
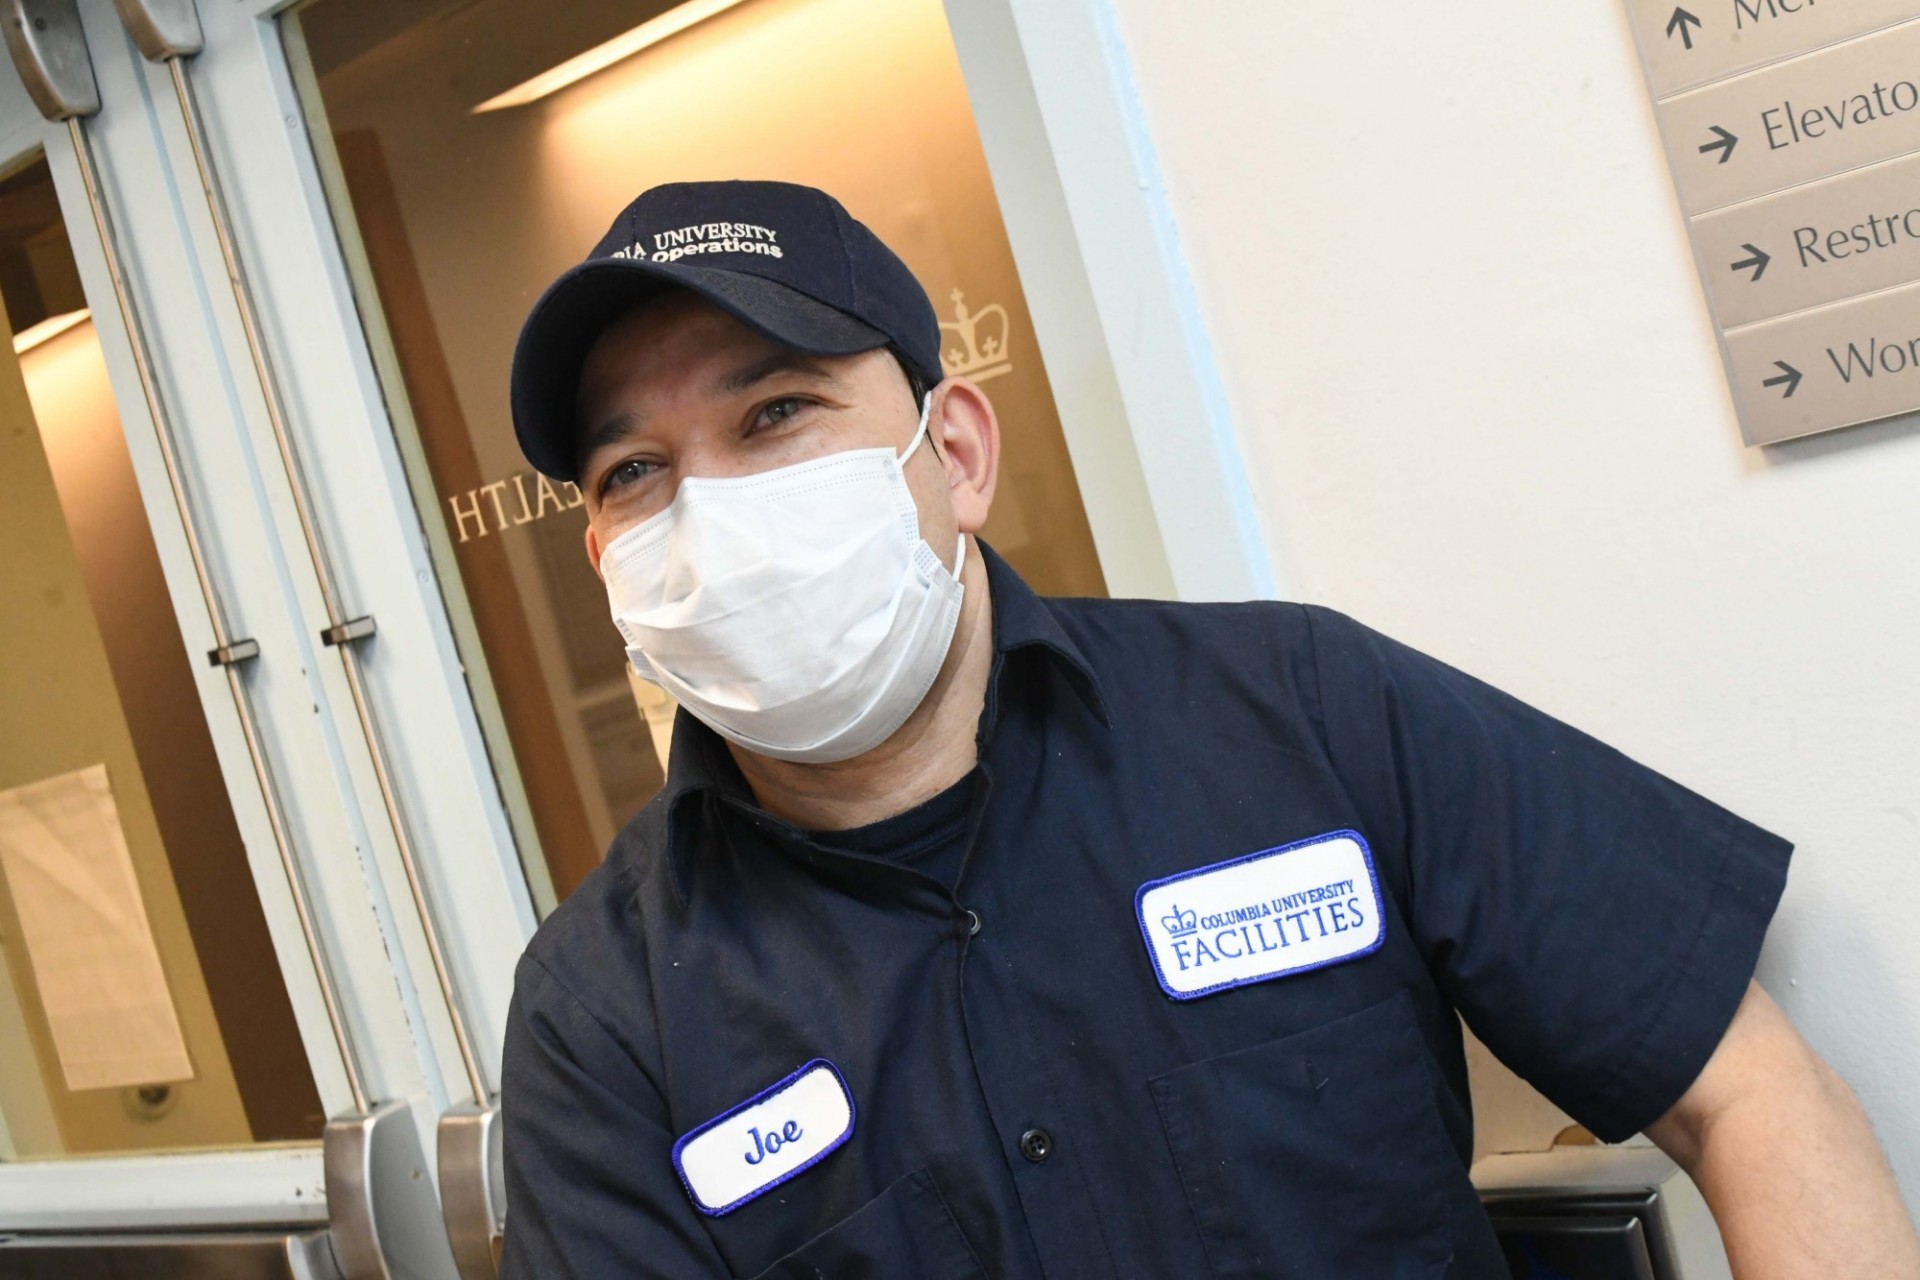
[[626, 473], [775, 412]]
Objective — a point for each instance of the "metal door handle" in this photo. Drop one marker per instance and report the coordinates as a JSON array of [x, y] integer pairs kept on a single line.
[[386, 1220], [471, 1189]]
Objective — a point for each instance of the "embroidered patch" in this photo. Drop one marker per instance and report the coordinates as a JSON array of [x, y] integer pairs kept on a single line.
[[1269, 914], [780, 1132]]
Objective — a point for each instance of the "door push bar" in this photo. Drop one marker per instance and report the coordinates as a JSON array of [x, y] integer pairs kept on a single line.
[[377, 1189], [472, 1192], [169, 32]]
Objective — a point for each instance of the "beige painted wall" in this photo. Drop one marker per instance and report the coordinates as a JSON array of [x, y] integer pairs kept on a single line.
[[1440, 259]]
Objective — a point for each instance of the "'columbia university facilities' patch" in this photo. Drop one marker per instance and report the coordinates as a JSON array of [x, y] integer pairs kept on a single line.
[[1266, 915], [777, 1134]]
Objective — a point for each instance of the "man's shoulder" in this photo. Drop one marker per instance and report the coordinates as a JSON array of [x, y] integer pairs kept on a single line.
[[1134, 639], [1142, 615], [596, 932]]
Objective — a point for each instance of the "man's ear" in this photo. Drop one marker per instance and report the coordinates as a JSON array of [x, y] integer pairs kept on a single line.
[[964, 426], [593, 551]]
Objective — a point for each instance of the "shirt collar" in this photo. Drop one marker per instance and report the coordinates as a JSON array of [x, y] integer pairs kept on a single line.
[[700, 766]]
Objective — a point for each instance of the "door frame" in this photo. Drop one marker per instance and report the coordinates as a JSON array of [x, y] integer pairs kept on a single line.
[[1161, 467]]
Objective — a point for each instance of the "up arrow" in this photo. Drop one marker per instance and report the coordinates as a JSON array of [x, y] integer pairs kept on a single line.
[[1684, 22], [1788, 375], [1723, 142], [1758, 262]]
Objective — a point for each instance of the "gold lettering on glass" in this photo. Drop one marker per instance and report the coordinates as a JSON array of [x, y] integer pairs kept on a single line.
[[470, 516]]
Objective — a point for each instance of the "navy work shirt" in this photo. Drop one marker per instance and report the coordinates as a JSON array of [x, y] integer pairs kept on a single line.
[[1080, 1060]]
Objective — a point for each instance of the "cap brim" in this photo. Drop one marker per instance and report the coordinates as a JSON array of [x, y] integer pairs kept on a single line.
[[576, 308]]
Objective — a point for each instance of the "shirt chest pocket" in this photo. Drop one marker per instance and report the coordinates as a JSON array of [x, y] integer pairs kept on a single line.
[[1319, 1154], [906, 1230]]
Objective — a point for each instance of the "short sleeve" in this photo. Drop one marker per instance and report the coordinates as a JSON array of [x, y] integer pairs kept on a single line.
[[1595, 923], [591, 1190]]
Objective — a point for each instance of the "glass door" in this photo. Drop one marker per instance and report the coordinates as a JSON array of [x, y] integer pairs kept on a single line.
[[227, 1014], [332, 217], [140, 1006]]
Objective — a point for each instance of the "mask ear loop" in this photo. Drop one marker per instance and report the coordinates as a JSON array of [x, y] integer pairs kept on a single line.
[[920, 433]]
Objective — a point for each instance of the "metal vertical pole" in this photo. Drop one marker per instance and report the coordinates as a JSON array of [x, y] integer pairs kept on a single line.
[[342, 631]]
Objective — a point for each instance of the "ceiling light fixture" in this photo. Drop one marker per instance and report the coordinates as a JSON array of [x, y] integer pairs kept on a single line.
[[601, 56], [52, 327]]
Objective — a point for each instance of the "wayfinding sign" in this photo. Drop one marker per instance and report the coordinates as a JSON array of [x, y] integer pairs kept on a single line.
[[1793, 131]]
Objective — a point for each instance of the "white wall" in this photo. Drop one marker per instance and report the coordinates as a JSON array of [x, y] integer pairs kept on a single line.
[[1440, 258]]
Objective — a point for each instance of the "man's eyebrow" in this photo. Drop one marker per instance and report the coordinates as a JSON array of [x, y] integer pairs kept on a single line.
[[785, 360], [626, 422], [611, 430]]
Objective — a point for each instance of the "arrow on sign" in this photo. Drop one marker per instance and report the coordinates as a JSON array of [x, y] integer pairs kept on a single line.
[[1789, 375], [1685, 22], [1758, 262], [1723, 142]]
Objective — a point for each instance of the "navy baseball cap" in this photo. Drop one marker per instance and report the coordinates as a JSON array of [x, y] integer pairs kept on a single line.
[[786, 260]]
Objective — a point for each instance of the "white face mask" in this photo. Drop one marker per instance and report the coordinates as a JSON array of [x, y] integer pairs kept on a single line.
[[796, 612]]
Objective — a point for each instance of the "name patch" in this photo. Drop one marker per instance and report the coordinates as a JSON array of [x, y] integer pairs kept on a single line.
[[777, 1134], [1269, 914]]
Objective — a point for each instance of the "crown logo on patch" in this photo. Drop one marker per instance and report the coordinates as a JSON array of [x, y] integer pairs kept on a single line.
[[980, 351], [1178, 923]]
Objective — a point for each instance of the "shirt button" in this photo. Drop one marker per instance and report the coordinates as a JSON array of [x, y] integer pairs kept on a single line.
[[1036, 1145], [973, 923]]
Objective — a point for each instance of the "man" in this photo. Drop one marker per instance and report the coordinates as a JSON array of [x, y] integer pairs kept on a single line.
[[976, 934]]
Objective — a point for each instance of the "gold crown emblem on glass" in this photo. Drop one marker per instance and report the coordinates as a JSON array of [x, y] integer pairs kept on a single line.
[[974, 343]]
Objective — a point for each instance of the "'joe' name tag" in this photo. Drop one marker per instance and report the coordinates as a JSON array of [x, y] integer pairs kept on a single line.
[[780, 1132], [1269, 914]]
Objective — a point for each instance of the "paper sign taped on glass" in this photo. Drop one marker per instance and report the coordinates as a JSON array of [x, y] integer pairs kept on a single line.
[[87, 936]]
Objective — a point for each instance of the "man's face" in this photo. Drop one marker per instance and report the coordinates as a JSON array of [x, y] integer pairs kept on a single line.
[[680, 388]]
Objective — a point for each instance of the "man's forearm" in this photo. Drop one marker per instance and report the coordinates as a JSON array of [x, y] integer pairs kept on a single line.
[[1785, 1156]]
